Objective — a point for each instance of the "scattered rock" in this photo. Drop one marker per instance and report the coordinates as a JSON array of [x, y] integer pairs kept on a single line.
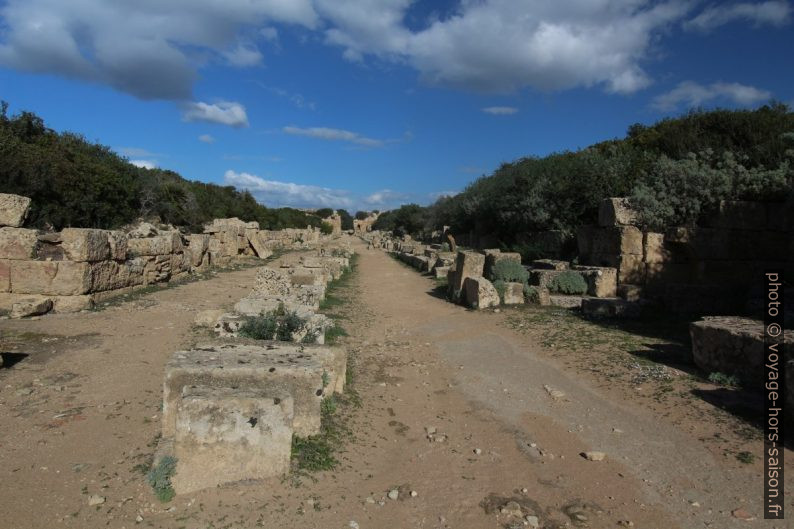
[[477, 451], [138, 519], [370, 500], [414, 494], [353, 524], [594, 456], [555, 394], [741, 514], [512, 508], [30, 307], [23, 392], [626, 523], [533, 522], [394, 494], [95, 499]]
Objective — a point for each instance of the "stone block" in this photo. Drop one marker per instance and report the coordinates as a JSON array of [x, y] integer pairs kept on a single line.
[[270, 282], [653, 248], [618, 240], [112, 275], [225, 435], [248, 367], [630, 292], [468, 264], [566, 302], [543, 278], [734, 346], [480, 293], [550, 264], [616, 212], [117, 240], [67, 304], [84, 244], [197, 247], [58, 278], [514, 294], [5, 275], [162, 244], [13, 210], [441, 271], [18, 243], [611, 308], [602, 282], [33, 306]]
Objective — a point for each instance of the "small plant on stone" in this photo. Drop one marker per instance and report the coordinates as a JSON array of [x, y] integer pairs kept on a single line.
[[531, 294], [261, 327], [289, 324], [568, 282], [510, 272], [500, 287], [159, 478]]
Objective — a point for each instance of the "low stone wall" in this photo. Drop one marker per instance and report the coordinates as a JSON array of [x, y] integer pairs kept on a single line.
[[713, 268], [70, 270]]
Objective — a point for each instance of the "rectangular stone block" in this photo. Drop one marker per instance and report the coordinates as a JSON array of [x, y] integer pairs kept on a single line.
[[18, 243], [480, 293], [602, 282], [618, 240], [248, 367], [13, 210], [67, 304], [514, 294], [84, 244], [5, 275], [550, 264], [58, 278], [616, 212], [441, 271], [468, 264], [225, 435], [653, 249], [542, 278], [493, 258], [117, 241], [112, 275], [163, 244]]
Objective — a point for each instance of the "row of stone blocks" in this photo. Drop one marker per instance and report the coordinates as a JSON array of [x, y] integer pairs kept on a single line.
[[232, 409]]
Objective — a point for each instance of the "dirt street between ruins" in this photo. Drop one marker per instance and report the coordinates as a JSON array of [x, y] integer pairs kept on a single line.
[[81, 414]]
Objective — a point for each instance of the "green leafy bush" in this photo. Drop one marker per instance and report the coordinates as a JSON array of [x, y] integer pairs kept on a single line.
[[531, 294], [288, 325], [568, 282], [509, 271], [260, 327], [326, 228], [500, 287]]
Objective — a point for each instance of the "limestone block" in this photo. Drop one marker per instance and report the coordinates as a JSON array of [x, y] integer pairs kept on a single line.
[[468, 264], [310, 295], [66, 304], [85, 244], [616, 212], [566, 302], [162, 244], [13, 210], [59, 278], [602, 282], [272, 282], [117, 240], [207, 318], [112, 275], [198, 244], [543, 278], [630, 292], [617, 240], [441, 271], [653, 249], [610, 308], [480, 293], [308, 276], [248, 367], [33, 306], [5, 275], [258, 243], [225, 435], [734, 346], [514, 294], [18, 243]]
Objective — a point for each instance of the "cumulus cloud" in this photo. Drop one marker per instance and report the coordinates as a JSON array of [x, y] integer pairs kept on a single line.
[[222, 112], [772, 13], [500, 111], [243, 56], [148, 49], [206, 138], [144, 164], [692, 94], [274, 193], [386, 197], [325, 133]]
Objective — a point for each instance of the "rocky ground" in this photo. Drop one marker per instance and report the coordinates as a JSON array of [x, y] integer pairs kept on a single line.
[[456, 419]]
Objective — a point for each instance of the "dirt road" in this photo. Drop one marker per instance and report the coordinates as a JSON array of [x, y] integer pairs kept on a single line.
[[454, 406]]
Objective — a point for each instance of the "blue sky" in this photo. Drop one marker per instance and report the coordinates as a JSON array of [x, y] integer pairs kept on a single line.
[[366, 104]]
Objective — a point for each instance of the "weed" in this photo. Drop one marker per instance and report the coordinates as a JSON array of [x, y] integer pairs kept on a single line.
[[334, 333], [724, 380], [159, 478], [745, 457]]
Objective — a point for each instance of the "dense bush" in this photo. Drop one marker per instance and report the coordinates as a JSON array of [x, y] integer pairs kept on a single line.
[[531, 294], [276, 325], [509, 271], [407, 219], [568, 282], [326, 228], [347, 219], [324, 213], [501, 288], [80, 184]]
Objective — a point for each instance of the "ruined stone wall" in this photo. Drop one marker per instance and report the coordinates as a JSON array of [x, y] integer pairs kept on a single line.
[[365, 225], [70, 270], [715, 267]]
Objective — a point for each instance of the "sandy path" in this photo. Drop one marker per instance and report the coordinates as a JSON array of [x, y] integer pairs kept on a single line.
[[421, 362]]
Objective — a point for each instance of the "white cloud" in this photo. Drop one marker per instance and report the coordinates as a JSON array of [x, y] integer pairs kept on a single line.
[[146, 48], [500, 111], [144, 164], [269, 33], [224, 112], [243, 56], [329, 134], [386, 197], [274, 193], [692, 94], [206, 138], [772, 13]]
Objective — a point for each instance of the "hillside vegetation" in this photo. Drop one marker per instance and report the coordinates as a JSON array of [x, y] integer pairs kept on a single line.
[[76, 183], [674, 170]]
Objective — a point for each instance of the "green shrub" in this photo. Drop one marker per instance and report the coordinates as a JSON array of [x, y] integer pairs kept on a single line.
[[289, 324], [724, 380], [568, 282], [260, 327], [159, 478], [531, 294], [326, 228], [509, 271], [500, 287]]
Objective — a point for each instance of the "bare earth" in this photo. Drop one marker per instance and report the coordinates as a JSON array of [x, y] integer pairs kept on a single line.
[[80, 417]]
